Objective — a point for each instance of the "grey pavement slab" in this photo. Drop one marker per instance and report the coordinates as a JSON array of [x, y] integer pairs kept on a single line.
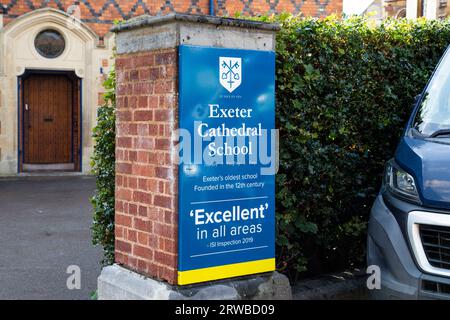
[[44, 228]]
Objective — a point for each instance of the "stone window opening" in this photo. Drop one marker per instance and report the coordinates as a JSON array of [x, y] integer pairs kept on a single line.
[[50, 43]]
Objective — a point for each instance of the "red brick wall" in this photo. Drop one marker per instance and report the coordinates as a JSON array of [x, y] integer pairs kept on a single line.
[[100, 14], [146, 177]]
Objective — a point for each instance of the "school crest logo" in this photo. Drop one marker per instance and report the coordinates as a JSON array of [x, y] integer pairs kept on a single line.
[[230, 72]]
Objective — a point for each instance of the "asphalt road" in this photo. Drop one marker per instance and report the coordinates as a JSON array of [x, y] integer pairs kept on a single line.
[[44, 229]]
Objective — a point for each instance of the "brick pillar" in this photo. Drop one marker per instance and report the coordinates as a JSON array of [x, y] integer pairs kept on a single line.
[[147, 110], [146, 184]]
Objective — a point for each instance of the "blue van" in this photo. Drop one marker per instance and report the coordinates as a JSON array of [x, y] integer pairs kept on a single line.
[[409, 228]]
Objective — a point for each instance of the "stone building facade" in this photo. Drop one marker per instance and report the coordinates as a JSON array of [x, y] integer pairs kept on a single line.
[[54, 56], [431, 9]]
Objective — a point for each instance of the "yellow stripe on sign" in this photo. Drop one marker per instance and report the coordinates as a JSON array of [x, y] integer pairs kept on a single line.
[[226, 271]]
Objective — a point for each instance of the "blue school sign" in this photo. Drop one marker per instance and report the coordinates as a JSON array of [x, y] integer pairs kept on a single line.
[[227, 160]]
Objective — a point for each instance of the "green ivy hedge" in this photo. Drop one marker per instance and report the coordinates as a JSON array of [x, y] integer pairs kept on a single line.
[[103, 166], [344, 91]]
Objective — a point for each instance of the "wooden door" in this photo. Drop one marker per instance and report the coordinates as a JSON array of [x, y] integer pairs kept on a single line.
[[47, 119]]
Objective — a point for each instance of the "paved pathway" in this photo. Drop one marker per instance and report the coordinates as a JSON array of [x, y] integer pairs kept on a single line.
[[44, 228]]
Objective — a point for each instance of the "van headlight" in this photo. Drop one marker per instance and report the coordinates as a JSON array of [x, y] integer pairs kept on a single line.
[[400, 183]]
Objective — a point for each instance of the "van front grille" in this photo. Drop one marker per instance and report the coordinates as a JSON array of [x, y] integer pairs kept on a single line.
[[436, 244], [436, 287]]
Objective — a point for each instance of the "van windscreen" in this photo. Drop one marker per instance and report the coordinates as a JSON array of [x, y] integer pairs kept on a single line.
[[434, 112]]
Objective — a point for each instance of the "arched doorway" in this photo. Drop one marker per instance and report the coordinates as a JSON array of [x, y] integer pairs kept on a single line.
[[49, 121]]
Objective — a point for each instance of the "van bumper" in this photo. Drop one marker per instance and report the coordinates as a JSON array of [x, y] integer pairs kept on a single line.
[[388, 249]]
